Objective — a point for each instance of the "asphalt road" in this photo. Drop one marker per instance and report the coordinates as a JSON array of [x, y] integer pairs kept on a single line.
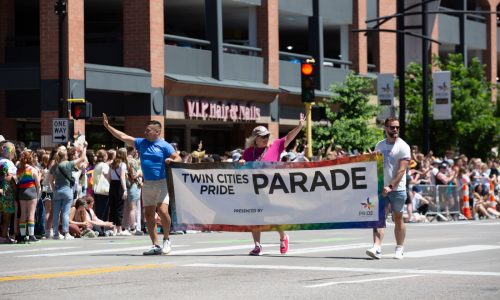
[[453, 260]]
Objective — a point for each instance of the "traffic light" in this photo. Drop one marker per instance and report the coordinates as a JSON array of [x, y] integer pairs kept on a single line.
[[307, 81], [318, 113], [81, 110]]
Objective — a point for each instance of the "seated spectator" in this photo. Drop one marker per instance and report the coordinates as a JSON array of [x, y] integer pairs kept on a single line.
[[78, 224], [420, 203], [481, 206], [97, 224]]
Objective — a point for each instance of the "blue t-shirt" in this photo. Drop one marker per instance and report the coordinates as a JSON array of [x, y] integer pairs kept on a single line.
[[153, 155]]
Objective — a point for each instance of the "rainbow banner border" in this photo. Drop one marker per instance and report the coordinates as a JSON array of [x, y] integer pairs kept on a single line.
[[380, 223]]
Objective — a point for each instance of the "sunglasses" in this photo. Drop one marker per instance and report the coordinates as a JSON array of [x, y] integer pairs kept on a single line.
[[393, 127], [265, 136]]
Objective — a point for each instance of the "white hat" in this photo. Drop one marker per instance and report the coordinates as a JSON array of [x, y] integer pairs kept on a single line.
[[2, 138], [260, 131]]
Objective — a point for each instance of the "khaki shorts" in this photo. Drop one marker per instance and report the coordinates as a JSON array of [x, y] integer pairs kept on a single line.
[[154, 192]]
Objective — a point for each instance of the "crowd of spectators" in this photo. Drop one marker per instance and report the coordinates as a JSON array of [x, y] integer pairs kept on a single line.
[[69, 191]]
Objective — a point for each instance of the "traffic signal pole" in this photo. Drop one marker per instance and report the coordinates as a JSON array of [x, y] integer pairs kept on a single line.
[[308, 152]]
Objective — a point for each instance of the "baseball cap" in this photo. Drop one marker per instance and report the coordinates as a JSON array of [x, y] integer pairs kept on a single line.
[[260, 131], [437, 161], [236, 156]]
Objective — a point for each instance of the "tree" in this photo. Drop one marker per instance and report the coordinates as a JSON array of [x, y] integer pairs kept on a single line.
[[473, 129], [349, 126]]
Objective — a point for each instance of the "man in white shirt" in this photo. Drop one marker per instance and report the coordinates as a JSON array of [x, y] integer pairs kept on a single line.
[[397, 156]]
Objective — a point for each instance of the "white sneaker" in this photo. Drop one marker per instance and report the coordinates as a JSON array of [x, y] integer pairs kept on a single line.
[[58, 236], [166, 247], [124, 233], [399, 252], [68, 236], [374, 252], [49, 234]]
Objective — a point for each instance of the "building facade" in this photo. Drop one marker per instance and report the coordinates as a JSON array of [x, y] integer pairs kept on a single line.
[[208, 70]]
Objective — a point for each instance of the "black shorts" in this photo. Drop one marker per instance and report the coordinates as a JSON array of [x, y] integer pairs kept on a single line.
[[408, 199]]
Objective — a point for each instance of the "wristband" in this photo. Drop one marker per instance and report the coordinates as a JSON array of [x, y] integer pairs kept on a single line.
[[390, 186]]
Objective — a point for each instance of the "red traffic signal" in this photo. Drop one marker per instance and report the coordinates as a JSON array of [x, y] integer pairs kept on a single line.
[[307, 69], [307, 82], [81, 110]]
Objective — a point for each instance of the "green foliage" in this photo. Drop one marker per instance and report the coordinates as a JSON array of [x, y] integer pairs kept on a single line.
[[350, 126], [474, 128]]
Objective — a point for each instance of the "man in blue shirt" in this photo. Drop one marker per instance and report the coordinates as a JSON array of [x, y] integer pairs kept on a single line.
[[154, 152]]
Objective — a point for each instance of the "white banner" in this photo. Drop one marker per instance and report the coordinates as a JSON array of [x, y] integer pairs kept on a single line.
[[441, 94], [385, 89], [234, 197]]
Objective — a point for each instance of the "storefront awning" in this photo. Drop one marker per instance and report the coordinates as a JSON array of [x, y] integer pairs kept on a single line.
[[189, 85]]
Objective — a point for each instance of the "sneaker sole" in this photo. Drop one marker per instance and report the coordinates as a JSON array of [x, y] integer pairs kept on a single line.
[[370, 254]]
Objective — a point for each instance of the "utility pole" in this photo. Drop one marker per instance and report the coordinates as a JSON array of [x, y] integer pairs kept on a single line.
[[60, 10], [425, 79], [400, 64]]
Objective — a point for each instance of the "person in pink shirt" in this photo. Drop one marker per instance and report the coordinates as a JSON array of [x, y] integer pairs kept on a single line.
[[259, 148]]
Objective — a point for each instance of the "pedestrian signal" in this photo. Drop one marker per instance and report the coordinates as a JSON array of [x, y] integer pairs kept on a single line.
[[318, 113], [307, 82], [81, 110]]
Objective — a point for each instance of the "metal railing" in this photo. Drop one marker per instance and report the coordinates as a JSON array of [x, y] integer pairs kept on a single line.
[[293, 57], [242, 49], [337, 63], [444, 202], [182, 41]]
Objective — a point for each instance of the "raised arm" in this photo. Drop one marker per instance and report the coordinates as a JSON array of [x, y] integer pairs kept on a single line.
[[127, 139], [293, 133]]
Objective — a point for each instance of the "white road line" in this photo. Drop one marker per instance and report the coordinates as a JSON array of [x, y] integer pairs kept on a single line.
[[86, 252], [340, 269], [173, 253], [217, 249], [451, 250], [328, 248], [36, 250], [359, 281]]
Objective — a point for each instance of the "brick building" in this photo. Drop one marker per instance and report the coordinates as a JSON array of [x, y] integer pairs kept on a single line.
[[209, 70]]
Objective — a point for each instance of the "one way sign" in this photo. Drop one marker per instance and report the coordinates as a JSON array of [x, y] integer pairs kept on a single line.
[[62, 130]]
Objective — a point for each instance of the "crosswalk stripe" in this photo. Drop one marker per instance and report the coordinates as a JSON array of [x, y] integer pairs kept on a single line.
[[450, 250], [37, 250], [359, 281], [341, 269]]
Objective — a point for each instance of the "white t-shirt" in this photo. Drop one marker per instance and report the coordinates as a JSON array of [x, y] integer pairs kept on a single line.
[[393, 154], [416, 200]]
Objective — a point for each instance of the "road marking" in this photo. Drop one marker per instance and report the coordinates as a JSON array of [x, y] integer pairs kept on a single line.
[[448, 251], [84, 272], [329, 248], [37, 250], [337, 269], [85, 252], [359, 281], [217, 249]]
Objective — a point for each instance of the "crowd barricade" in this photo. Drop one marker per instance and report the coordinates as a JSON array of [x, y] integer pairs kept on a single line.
[[448, 202], [429, 193], [445, 202]]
